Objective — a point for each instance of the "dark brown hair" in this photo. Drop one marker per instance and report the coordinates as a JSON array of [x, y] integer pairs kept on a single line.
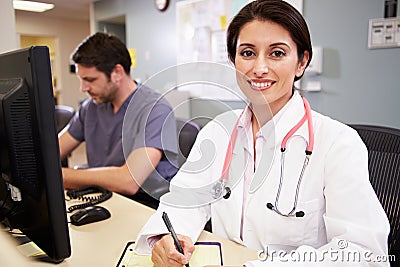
[[103, 51], [277, 11]]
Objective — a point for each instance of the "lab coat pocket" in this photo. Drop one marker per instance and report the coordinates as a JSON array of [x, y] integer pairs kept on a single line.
[[295, 231]]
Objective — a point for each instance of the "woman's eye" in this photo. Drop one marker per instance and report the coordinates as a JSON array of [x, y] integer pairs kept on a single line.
[[278, 53], [246, 53]]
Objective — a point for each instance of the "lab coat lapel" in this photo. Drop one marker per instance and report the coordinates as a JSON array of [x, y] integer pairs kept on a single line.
[[267, 157]]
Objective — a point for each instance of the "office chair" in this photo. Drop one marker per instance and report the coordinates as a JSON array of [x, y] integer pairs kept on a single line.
[[63, 115], [383, 146], [187, 132]]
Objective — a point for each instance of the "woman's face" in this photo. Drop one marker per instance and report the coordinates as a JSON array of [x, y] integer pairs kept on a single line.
[[267, 56]]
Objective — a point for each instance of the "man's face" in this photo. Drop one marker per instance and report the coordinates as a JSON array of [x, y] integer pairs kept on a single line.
[[96, 84]]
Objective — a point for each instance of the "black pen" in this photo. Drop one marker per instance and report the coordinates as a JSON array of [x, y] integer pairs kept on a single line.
[[174, 236]]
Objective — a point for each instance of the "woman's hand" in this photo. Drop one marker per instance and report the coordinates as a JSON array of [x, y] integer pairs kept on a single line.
[[165, 253]]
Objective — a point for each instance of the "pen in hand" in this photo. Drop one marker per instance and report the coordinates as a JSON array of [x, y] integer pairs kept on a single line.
[[174, 236]]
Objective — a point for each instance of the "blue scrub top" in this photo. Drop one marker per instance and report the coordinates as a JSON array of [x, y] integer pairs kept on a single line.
[[145, 119]]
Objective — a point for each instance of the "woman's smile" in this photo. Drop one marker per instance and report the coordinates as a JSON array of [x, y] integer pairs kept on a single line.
[[260, 85]]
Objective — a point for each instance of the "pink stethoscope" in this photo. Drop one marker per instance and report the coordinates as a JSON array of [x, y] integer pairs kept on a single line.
[[220, 188]]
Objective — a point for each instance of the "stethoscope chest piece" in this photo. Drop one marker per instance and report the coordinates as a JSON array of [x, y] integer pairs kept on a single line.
[[220, 189]]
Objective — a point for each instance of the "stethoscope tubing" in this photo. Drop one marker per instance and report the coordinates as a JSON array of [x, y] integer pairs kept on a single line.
[[307, 116], [310, 146]]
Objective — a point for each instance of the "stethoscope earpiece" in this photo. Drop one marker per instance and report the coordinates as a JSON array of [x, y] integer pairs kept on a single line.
[[300, 214], [297, 214]]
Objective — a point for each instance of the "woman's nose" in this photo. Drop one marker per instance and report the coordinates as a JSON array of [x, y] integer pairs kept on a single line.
[[260, 66]]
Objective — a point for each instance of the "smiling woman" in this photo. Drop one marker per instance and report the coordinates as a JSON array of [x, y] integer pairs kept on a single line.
[[311, 202], [267, 56]]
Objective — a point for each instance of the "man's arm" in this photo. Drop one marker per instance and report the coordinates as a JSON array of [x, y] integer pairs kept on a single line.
[[66, 143], [125, 179]]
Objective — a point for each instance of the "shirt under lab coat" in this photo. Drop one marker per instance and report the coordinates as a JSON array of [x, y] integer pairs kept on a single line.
[[342, 217]]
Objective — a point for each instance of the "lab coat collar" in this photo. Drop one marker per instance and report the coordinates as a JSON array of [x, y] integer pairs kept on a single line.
[[244, 128], [280, 124], [283, 121], [245, 117]]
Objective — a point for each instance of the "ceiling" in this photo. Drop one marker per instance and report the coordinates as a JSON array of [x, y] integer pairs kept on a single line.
[[66, 9]]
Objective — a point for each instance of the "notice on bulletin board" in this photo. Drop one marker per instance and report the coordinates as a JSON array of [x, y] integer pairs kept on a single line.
[[384, 33]]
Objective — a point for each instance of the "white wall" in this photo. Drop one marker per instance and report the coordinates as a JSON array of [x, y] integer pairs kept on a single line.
[[68, 33], [7, 27], [358, 85]]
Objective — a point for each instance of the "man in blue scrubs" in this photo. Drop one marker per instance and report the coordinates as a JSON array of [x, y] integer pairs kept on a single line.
[[129, 129]]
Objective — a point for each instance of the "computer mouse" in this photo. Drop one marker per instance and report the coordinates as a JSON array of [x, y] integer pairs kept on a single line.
[[90, 214]]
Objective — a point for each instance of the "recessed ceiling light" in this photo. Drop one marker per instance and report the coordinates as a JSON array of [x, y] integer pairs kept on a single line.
[[32, 6]]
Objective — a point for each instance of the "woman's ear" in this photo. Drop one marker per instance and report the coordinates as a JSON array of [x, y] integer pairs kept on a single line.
[[302, 64]]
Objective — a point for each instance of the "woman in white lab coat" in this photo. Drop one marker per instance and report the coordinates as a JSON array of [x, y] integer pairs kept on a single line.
[[270, 204]]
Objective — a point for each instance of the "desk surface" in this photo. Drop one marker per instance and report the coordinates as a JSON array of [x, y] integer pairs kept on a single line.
[[102, 243]]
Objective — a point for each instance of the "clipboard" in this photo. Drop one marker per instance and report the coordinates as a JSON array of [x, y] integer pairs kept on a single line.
[[205, 253]]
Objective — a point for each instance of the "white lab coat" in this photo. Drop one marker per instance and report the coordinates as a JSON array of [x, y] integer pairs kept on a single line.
[[342, 212]]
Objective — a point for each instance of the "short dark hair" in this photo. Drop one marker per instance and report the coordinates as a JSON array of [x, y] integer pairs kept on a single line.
[[277, 11], [103, 51]]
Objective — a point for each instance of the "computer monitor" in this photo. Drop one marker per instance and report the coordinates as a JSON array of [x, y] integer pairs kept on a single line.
[[31, 190]]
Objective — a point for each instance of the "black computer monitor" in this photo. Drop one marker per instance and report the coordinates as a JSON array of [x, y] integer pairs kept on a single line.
[[31, 190]]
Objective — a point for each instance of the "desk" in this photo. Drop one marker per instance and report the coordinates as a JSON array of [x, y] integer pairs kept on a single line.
[[102, 243]]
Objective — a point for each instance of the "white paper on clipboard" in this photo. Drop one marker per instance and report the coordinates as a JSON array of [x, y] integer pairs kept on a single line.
[[205, 253]]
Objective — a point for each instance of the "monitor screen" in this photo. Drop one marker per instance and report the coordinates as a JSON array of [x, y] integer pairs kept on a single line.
[[31, 189]]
